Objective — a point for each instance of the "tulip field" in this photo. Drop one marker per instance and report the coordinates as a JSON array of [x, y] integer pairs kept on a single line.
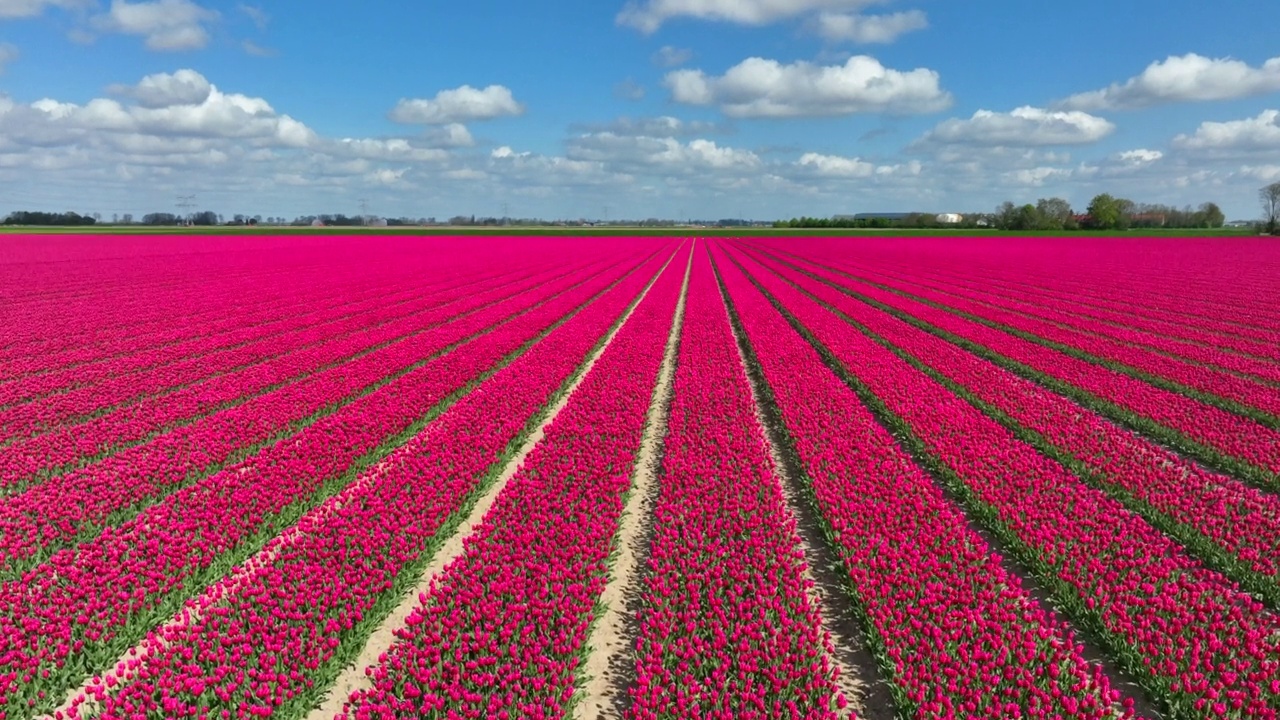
[[318, 477]]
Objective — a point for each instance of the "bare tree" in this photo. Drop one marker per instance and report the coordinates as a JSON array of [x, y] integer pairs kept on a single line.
[[1270, 196]]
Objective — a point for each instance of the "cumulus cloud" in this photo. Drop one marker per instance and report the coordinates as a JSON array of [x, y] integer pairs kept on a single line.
[[1185, 78], [1023, 127], [1037, 177], [649, 15], [1251, 135], [533, 171], [8, 53], [639, 152], [453, 135], [166, 25], [758, 87], [464, 104], [184, 87], [668, 56], [393, 150], [183, 104], [1140, 156], [31, 8], [852, 168], [662, 126], [837, 166], [868, 29]]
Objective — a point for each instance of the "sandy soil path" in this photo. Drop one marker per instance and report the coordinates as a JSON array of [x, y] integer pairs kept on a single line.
[[353, 679], [608, 666]]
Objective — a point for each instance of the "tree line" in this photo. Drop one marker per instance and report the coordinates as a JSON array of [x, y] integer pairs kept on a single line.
[[26, 217], [1105, 212]]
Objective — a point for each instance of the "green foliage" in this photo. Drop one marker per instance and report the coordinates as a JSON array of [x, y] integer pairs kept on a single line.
[[23, 217], [1105, 212]]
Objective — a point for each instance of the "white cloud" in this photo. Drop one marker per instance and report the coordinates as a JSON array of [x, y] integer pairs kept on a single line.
[[1251, 135], [1141, 156], [32, 8], [184, 87], [395, 150], [1024, 127], [662, 126], [464, 104], [8, 53], [256, 15], [637, 153], [181, 105], [668, 56], [649, 15], [837, 166], [758, 87], [1037, 177], [167, 25], [869, 29], [453, 135], [535, 174], [1261, 173], [1186, 78]]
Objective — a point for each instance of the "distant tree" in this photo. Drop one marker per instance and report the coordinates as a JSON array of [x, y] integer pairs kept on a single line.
[[1105, 212], [1005, 215], [1055, 214], [1270, 196], [161, 218], [1210, 216]]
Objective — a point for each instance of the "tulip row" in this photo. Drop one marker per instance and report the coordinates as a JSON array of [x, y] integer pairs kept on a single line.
[[1238, 394], [1197, 642], [1139, 274], [325, 584], [1234, 525], [1125, 300], [1085, 333], [1247, 448], [76, 446], [138, 315], [1205, 340], [73, 507], [501, 630], [726, 628], [957, 633], [123, 314], [260, 337], [82, 324], [75, 613], [126, 390]]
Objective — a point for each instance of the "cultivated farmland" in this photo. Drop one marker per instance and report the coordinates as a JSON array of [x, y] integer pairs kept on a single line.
[[531, 477]]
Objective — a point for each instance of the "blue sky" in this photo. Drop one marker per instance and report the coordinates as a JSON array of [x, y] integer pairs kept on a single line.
[[666, 108]]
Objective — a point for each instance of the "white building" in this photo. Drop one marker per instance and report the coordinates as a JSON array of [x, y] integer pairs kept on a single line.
[[950, 218]]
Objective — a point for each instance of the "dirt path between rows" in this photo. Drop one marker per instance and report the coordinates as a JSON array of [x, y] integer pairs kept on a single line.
[[858, 677], [609, 667], [119, 673], [353, 678]]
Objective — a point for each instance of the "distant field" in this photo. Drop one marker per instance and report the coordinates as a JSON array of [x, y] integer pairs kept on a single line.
[[601, 232], [293, 476]]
